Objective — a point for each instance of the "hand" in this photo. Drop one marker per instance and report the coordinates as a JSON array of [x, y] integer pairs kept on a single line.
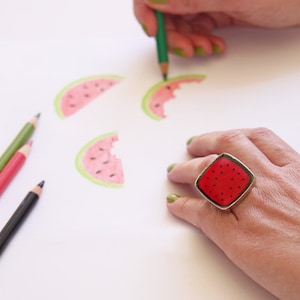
[[189, 23], [260, 234]]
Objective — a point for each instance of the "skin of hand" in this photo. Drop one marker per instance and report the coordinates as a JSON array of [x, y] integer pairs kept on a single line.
[[260, 233], [189, 23]]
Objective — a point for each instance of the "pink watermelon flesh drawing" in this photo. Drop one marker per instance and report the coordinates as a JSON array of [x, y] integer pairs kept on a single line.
[[158, 95], [225, 181], [96, 162], [72, 99]]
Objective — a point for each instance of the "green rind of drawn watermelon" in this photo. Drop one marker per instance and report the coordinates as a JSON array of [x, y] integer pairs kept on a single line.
[[162, 92], [225, 181], [81, 92], [96, 163]]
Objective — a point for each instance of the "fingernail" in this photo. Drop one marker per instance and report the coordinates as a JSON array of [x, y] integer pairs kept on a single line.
[[172, 198], [217, 49], [170, 167], [158, 1], [178, 51], [144, 28], [189, 140], [200, 51]]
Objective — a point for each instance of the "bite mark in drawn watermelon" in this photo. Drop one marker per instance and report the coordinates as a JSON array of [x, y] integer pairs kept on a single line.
[[81, 92], [96, 162], [162, 92], [225, 181]]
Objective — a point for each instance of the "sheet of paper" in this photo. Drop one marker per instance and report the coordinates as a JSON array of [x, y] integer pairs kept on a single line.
[[88, 241]]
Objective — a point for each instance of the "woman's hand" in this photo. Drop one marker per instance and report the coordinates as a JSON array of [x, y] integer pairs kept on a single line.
[[189, 23], [260, 234]]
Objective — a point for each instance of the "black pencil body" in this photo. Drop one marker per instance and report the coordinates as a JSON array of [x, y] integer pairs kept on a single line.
[[18, 217]]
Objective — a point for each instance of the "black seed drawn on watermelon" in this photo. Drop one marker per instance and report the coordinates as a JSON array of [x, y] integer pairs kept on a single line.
[[81, 92], [96, 162]]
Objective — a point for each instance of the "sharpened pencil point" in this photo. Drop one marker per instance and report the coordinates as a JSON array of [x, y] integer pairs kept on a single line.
[[38, 115], [41, 184]]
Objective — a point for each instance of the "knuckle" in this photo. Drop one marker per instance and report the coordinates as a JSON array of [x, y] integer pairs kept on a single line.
[[230, 137], [260, 132]]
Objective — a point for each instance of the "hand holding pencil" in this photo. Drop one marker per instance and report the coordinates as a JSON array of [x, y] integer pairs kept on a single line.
[[190, 24], [188, 28]]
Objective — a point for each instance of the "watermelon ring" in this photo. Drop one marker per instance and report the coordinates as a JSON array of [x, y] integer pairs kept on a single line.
[[225, 181]]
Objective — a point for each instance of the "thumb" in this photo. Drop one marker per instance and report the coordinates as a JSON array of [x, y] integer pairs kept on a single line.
[[215, 224], [180, 7]]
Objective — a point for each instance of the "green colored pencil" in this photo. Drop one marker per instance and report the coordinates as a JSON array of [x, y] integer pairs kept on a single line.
[[161, 45], [21, 138]]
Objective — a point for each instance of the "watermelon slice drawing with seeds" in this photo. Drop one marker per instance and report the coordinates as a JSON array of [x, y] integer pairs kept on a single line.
[[96, 162], [154, 100], [81, 92]]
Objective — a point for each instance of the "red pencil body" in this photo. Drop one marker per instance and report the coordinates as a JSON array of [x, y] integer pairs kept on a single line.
[[13, 166]]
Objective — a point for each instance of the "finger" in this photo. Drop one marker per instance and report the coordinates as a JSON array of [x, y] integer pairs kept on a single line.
[[217, 225], [203, 44], [145, 17], [187, 6], [187, 172], [207, 44], [273, 147], [249, 145], [211, 21], [179, 44], [234, 142]]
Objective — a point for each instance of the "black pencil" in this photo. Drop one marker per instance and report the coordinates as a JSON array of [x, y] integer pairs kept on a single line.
[[19, 215]]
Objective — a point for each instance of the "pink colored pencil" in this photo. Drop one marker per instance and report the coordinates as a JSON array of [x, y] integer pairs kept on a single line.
[[13, 166]]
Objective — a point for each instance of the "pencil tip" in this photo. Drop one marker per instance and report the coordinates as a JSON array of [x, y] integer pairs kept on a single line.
[[41, 184], [165, 76], [38, 115]]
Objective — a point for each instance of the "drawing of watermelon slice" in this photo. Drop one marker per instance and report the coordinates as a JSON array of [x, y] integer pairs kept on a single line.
[[225, 181], [96, 162], [81, 92], [162, 92]]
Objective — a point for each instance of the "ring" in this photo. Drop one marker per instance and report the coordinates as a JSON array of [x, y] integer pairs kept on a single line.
[[225, 181]]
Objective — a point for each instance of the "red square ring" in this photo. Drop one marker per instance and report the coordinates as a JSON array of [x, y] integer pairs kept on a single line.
[[225, 181]]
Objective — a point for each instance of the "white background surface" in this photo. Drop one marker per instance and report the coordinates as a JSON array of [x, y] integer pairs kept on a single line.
[[83, 241]]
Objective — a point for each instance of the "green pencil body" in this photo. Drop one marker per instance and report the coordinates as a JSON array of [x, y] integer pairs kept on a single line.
[[21, 138], [161, 44]]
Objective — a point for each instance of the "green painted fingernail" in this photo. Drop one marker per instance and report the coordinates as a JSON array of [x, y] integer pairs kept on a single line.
[[158, 1], [217, 49], [170, 167], [144, 28], [172, 198], [200, 51], [189, 140], [178, 51]]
